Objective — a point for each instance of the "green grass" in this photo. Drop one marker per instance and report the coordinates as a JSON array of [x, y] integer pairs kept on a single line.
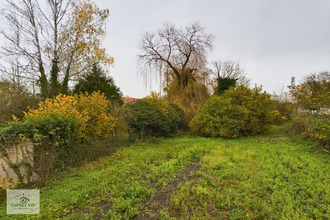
[[248, 178]]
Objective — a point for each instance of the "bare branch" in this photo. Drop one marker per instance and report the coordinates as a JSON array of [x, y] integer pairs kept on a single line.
[[182, 50], [230, 69], [59, 39]]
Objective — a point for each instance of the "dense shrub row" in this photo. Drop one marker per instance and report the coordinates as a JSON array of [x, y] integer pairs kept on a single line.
[[55, 128]]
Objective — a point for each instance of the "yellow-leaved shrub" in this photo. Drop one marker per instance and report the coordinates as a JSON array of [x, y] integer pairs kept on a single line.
[[89, 110], [100, 122]]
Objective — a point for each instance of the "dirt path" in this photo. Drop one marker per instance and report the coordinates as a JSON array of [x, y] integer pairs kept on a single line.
[[150, 208]]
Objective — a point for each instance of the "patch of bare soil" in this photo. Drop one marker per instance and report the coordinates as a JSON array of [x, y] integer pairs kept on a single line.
[[150, 208], [104, 208]]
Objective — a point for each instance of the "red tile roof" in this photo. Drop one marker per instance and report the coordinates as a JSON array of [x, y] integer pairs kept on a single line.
[[129, 99]]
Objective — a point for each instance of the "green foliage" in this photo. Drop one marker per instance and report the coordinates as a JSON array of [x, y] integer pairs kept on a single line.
[[54, 139], [189, 98], [320, 130], [55, 127], [311, 99], [248, 178], [92, 149], [224, 83], [191, 200], [313, 93], [143, 118], [55, 86], [54, 133], [299, 124], [239, 112], [175, 116], [284, 111], [218, 109], [98, 81], [153, 117], [315, 127]]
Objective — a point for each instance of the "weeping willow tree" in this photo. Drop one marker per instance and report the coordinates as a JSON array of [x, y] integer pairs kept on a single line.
[[178, 57], [189, 93]]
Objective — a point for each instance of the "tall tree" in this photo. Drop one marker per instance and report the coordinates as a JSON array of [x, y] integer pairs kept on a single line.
[[96, 80], [230, 69], [55, 42], [179, 56], [313, 93]]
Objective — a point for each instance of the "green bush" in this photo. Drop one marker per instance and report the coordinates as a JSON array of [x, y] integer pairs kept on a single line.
[[284, 111], [300, 124], [176, 117], [54, 139], [224, 83], [320, 130], [57, 133], [142, 117], [315, 127], [146, 118], [240, 111]]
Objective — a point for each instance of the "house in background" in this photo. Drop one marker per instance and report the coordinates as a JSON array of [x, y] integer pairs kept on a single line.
[[129, 100]]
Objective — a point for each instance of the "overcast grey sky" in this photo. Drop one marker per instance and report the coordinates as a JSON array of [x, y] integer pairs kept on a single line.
[[272, 39]]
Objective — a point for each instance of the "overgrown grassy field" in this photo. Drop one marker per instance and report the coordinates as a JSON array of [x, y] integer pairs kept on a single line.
[[195, 178]]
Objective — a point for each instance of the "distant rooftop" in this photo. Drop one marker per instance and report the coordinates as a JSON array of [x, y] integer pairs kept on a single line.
[[129, 99]]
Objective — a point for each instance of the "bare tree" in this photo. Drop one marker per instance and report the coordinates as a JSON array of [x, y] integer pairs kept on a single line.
[[176, 53], [230, 69], [49, 41], [179, 56]]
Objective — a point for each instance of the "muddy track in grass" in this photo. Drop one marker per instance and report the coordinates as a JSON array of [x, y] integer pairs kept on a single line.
[[151, 207]]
